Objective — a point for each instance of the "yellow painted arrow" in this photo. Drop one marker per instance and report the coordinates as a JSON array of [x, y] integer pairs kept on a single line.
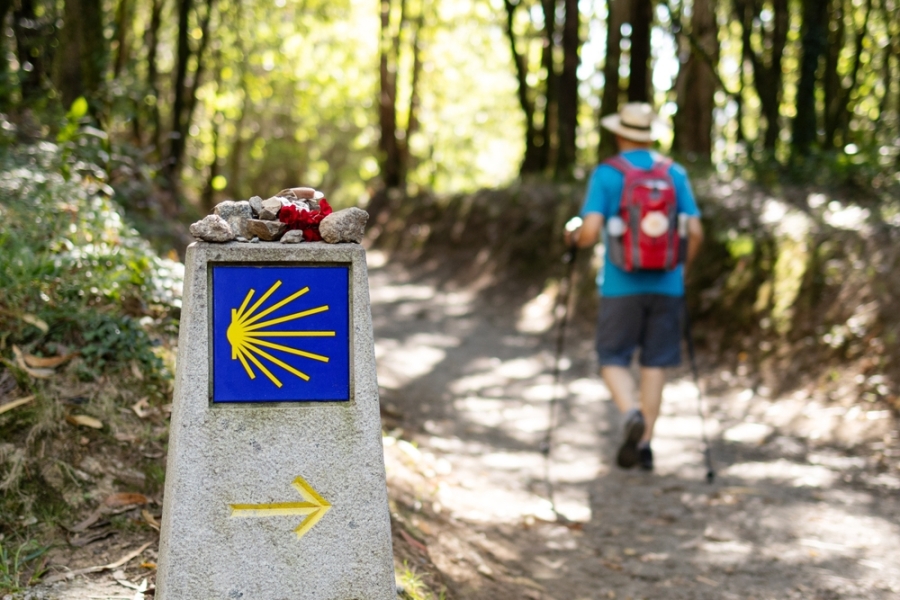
[[314, 507]]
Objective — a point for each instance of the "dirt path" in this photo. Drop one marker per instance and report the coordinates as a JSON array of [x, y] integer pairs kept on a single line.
[[805, 504]]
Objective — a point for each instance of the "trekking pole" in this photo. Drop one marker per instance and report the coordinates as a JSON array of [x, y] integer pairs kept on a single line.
[[562, 300], [707, 451]]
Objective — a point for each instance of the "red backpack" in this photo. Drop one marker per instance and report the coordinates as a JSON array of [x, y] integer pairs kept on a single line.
[[645, 234]]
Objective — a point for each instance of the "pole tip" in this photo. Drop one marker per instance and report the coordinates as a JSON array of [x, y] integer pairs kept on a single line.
[[710, 476]]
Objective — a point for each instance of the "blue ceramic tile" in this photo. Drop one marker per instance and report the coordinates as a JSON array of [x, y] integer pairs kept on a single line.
[[280, 333]]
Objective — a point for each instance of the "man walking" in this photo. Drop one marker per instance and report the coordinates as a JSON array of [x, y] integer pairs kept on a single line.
[[643, 204]]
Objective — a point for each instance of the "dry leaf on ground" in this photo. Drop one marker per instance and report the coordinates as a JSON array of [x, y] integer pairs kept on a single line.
[[15, 404], [48, 362], [150, 519], [125, 499], [36, 373], [72, 574], [28, 318], [84, 421], [413, 541], [82, 540], [142, 408]]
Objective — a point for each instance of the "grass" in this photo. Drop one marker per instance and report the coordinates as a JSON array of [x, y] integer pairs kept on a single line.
[[20, 565], [411, 587]]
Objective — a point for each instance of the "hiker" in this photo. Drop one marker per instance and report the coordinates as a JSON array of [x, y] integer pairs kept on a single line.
[[643, 204]]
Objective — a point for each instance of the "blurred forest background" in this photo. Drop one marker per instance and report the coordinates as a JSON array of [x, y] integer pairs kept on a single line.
[[208, 99], [469, 124]]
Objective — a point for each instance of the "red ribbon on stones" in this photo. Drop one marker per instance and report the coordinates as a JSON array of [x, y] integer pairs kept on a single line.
[[305, 220]]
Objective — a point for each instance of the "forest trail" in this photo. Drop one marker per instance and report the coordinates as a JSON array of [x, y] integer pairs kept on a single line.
[[799, 508], [793, 512]]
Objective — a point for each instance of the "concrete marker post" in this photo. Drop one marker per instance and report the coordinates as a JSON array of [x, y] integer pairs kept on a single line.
[[275, 484]]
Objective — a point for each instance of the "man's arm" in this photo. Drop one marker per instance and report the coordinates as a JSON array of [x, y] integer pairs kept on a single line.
[[588, 234], [695, 239]]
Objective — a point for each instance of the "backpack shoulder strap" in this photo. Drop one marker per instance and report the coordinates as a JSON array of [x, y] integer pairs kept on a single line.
[[620, 163], [661, 163]]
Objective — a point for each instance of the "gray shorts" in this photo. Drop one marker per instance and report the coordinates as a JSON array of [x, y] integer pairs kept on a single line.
[[651, 322]]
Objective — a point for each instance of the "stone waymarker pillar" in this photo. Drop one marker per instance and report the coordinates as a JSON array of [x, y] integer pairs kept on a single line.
[[275, 483]]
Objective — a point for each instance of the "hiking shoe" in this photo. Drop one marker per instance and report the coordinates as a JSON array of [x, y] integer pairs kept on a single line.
[[645, 457], [634, 430]]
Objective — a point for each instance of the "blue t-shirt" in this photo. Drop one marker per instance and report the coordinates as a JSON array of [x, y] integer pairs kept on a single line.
[[604, 194]]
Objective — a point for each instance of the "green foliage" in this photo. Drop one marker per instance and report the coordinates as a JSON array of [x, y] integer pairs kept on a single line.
[[871, 170], [112, 339], [68, 260], [77, 281], [20, 564]]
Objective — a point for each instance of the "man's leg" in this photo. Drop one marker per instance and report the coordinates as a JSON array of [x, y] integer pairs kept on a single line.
[[652, 381], [621, 385], [618, 332], [660, 348]]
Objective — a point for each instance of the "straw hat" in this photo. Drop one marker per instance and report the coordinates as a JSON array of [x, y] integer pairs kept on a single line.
[[636, 121]]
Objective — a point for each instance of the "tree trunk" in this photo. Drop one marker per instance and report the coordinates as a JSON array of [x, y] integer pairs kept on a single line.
[[93, 44], [639, 81], [697, 87], [831, 78], [5, 84], [152, 41], [200, 59], [814, 41], [29, 51], [844, 111], [236, 149], [546, 135], [609, 103], [178, 131], [568, 93], [890, 51], [412, 114], [767, 74], [773, 82], [123, 23], [81, 61], [740, 136], [388, 144], [67, 70], [531, 159], [209, 193]]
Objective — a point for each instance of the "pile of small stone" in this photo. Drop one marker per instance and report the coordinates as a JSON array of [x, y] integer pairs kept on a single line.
[[308, 218]]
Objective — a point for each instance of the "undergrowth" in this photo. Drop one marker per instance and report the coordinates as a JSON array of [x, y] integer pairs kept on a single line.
[[21, 564], [88, 312]]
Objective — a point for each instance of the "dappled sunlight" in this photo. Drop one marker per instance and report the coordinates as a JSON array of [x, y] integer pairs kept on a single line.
[[684, 426], [804, 534], [589, 388], [748, 433], [402, 362], [399, 293], [376, 259], [776, 497], [522, 368], [542, 392], [496, 408], [784, 471], [492, 504], [536, 316]]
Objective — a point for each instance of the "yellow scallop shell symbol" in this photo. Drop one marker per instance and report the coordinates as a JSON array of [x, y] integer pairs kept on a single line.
[[247, 334]]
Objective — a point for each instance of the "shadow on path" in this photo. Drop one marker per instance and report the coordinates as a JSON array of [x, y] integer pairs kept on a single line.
[[469, 379]]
